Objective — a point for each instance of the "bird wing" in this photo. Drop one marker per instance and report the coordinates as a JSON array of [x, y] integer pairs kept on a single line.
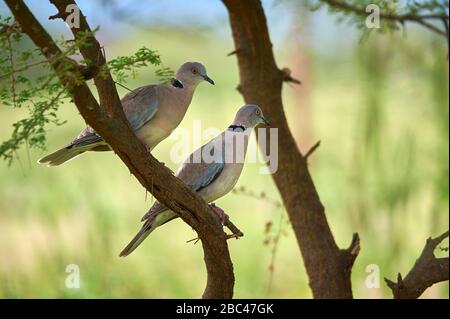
[[140, 105], [197, 174]]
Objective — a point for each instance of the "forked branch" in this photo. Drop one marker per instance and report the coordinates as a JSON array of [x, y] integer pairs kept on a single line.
[[427, 271]]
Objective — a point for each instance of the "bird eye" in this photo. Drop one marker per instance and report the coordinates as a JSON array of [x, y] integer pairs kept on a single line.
[[194, 71], [258, 112]]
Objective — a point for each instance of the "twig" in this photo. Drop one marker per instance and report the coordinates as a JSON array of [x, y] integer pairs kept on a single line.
[[123, 86], [274, 250], [25, 67], [431, 27], [261, 196], [234, 52], [288, 78], [13, 78], [401, 18], [14, 27], [235, 232], [312, 149]]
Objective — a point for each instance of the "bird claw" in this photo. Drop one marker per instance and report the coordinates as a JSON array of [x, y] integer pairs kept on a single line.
[[147, 147], [219, 212]]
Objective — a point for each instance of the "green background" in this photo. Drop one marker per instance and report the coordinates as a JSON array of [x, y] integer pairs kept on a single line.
[[380, 109]]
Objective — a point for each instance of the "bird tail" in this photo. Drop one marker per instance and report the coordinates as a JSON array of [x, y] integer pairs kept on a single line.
[[150, 225], [60, 156]]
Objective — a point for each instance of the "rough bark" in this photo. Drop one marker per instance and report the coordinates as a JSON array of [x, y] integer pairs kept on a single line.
[[261, 81], [110, 122], [427, 271]]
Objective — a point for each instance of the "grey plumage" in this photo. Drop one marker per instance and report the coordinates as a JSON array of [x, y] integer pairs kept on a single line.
[[208, 170], [153, 112]]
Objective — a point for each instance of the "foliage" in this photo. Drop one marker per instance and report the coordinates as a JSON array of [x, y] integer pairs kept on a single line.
[[39, 92], [124, 66], [27, 81], [393, 13]]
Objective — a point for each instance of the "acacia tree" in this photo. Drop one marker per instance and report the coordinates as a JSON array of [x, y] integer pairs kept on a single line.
[[107, 118], [328, 266]]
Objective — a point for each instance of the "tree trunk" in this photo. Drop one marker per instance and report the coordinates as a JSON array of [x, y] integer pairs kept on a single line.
[[328, 267], [109, 121]]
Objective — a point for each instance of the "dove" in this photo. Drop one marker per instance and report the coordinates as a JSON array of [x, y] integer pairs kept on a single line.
[[153, 112], [212, 171]]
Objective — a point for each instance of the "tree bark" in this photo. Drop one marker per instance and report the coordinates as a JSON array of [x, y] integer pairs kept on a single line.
[[110, 122], [427, 271], [328, 267]]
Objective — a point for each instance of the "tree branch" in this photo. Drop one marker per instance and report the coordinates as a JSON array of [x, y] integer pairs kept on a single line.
[[110, 122], [261, 82], [426, 271], [401, 18]]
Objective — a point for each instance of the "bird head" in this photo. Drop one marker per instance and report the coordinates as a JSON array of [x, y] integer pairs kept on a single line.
[[250, 115], [193, 73]]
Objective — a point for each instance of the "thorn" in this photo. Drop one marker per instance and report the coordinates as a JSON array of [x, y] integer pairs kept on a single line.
[[390, 283], [234, 52], [288, 78], [55, 16], [195, 240], [400, 281], [312, 149]]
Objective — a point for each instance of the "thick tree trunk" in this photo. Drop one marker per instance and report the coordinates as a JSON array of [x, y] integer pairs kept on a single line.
[[328, 267]]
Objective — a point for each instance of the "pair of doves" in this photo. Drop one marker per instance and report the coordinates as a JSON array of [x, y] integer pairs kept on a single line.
[[154, 111]]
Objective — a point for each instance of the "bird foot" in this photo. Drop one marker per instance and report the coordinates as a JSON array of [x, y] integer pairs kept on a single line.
[[147, 147], [219, 212]]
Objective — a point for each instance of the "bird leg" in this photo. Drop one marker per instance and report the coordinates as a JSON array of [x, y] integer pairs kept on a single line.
[[224, 218], [147, 147]]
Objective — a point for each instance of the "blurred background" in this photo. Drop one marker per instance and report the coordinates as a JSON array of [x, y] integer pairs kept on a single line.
[[379, 106]]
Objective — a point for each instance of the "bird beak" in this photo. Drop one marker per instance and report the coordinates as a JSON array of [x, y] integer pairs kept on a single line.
[[265, 121], [208, 79]]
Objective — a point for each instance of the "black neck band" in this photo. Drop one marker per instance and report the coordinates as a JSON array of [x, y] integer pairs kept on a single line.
[[234, 127], [176, 83]]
